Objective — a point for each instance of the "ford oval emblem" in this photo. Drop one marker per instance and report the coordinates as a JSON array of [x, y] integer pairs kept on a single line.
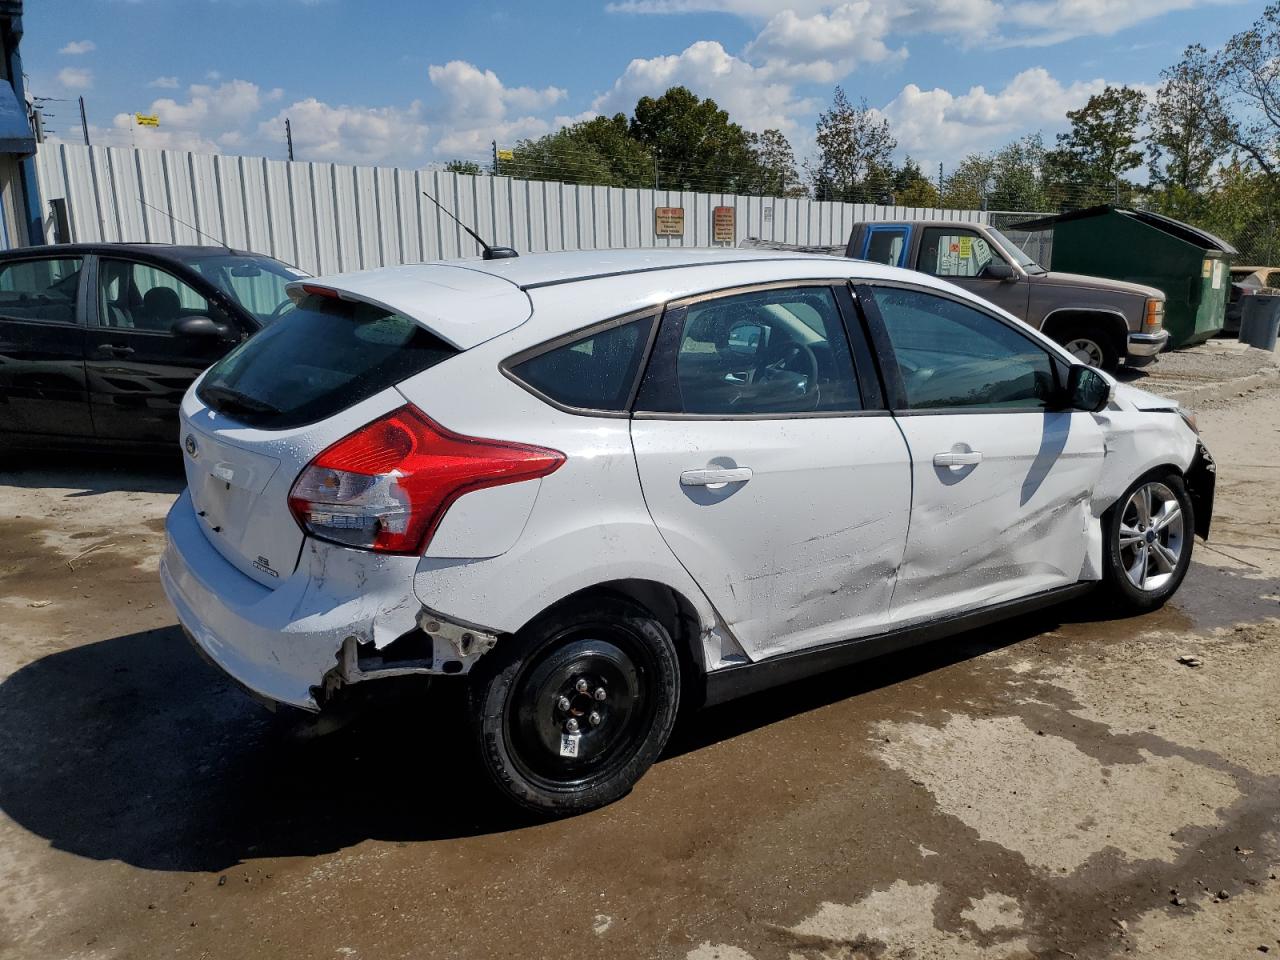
[[190, 445]]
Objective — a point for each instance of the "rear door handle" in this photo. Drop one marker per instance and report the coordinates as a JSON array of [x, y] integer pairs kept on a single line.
[[953, 458], [715, 477], [114, 350]]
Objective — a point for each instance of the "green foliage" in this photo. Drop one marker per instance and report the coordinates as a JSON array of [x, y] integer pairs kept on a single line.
[[1186, 123], [855, 150], [600, 150], [1094, 158], [469, 167], [911, 188], [696, 145]]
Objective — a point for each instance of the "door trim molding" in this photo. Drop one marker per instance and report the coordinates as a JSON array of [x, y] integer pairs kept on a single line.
[[736, 681]]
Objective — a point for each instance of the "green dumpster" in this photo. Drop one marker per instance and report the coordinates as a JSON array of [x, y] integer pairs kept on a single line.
[[1190, 265]]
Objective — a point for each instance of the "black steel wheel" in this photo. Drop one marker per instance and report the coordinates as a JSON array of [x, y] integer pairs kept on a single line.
[[577, 706]]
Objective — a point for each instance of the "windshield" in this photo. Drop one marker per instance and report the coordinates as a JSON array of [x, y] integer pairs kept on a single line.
[[1015, 251], [255, 283]]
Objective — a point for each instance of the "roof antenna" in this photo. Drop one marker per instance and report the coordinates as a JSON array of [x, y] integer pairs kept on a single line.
[[490, 253], [169, 214]]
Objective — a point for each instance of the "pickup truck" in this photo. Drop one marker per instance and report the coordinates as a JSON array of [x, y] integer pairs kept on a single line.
[[1103, 322]]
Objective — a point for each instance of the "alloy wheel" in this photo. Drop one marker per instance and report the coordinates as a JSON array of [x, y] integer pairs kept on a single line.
[[1151, 536]]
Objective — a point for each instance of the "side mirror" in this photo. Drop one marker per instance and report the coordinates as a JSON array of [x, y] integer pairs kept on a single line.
[[1087, 389], [201, 328], [999, 270]]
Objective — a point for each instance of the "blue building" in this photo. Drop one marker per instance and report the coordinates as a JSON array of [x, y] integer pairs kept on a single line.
[[20, 213]]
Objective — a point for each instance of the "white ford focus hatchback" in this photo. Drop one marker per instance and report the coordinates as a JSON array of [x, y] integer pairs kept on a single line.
[[590, 486]]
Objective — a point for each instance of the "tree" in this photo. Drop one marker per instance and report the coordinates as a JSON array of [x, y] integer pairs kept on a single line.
[[1186, 123], [855, 149], [695, 144], [911, 188], [600, 150], [1247, 74], [775, 164], [1017, 175], [1092, 159], [970, 182], [469, 167]]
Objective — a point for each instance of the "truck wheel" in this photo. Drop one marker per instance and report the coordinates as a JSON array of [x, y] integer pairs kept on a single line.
[[1148, 534], [571, 712], [1089, 344]]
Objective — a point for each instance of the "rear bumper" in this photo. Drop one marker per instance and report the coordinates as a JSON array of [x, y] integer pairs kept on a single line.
[[1147, 344], [281, 643]]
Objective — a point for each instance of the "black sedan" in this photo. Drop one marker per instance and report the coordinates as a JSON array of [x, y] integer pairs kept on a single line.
[[99, 342]]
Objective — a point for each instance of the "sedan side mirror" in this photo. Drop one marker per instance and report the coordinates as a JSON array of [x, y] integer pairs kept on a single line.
[[999, 270], [202, 328], [1087, 389]]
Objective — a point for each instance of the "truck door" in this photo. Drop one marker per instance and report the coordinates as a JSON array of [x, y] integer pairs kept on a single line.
[[887, 243], [965, 257]]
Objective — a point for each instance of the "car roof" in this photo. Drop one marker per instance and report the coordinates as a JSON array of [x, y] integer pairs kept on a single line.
[[467, 302], [164, 251]]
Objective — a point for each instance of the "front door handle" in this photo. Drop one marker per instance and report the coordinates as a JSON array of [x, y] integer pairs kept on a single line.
[[715, 477], [957, 458], [114, 350]]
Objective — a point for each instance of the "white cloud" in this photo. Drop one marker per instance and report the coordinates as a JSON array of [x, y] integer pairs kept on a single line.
[[475, 108], [938, 125], [75, 78], [165, 83], [212, 108], [753, 96], [1005, 22], [351, 134], [825, 46], [77, 47]]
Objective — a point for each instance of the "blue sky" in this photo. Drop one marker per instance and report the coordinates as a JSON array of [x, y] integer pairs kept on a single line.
[[416, 83]]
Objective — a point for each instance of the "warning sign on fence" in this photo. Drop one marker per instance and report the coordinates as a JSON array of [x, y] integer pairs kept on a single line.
[[722, 230], [669, 222]]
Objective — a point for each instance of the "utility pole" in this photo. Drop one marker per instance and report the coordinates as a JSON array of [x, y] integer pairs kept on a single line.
[[288, 136], [84, 124], [939, 181], [655, 169], [494, 145]]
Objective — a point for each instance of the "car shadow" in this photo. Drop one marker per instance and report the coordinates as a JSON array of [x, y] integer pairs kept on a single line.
[[133, 749], [87, 474]]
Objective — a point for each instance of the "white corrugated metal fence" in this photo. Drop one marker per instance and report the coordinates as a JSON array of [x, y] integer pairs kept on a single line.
[[329, 217]]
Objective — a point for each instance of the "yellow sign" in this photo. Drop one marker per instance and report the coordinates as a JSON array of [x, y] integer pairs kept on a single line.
[[669, 221], [722, 230], [145, 120], [966, 247], [506, 154]]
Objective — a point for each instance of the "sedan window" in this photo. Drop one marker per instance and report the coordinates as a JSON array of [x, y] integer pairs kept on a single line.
[[138, 296], [765, 352], [951, 355], [596, 372], [40, 289]]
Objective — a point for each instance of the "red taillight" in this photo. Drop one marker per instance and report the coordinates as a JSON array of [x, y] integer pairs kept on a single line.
[[387, 486]]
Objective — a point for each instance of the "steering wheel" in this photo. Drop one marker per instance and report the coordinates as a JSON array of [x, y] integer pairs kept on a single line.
[[795, 351], [281, 307]]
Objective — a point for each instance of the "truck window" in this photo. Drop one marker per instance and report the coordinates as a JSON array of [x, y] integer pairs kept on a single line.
[[884, 245], [948, 252]]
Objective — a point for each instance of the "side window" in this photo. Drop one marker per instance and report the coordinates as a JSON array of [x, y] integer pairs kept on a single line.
[[951, 355], [947, 252], [766, 352], [594, 373], [138, 296], [885, 246], [40, 290]]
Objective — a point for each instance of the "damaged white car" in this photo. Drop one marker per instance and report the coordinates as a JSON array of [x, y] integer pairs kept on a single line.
[[594, 486]]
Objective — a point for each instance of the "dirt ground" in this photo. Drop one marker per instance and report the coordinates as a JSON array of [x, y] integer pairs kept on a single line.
[[1057, 786]]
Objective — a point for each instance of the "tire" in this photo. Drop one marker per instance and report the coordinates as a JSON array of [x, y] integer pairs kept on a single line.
[[517, 695], [1138, 570], [1088, 339]]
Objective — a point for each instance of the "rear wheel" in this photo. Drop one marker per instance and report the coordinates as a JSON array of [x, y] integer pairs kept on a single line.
[[1149, 534], [577, 707], [1090, 344]]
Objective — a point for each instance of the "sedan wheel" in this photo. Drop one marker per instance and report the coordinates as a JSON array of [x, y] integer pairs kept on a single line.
[[1149, 534], [570, 712]]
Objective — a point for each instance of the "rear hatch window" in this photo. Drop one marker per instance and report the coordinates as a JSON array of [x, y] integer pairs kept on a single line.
[[317, 360]]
